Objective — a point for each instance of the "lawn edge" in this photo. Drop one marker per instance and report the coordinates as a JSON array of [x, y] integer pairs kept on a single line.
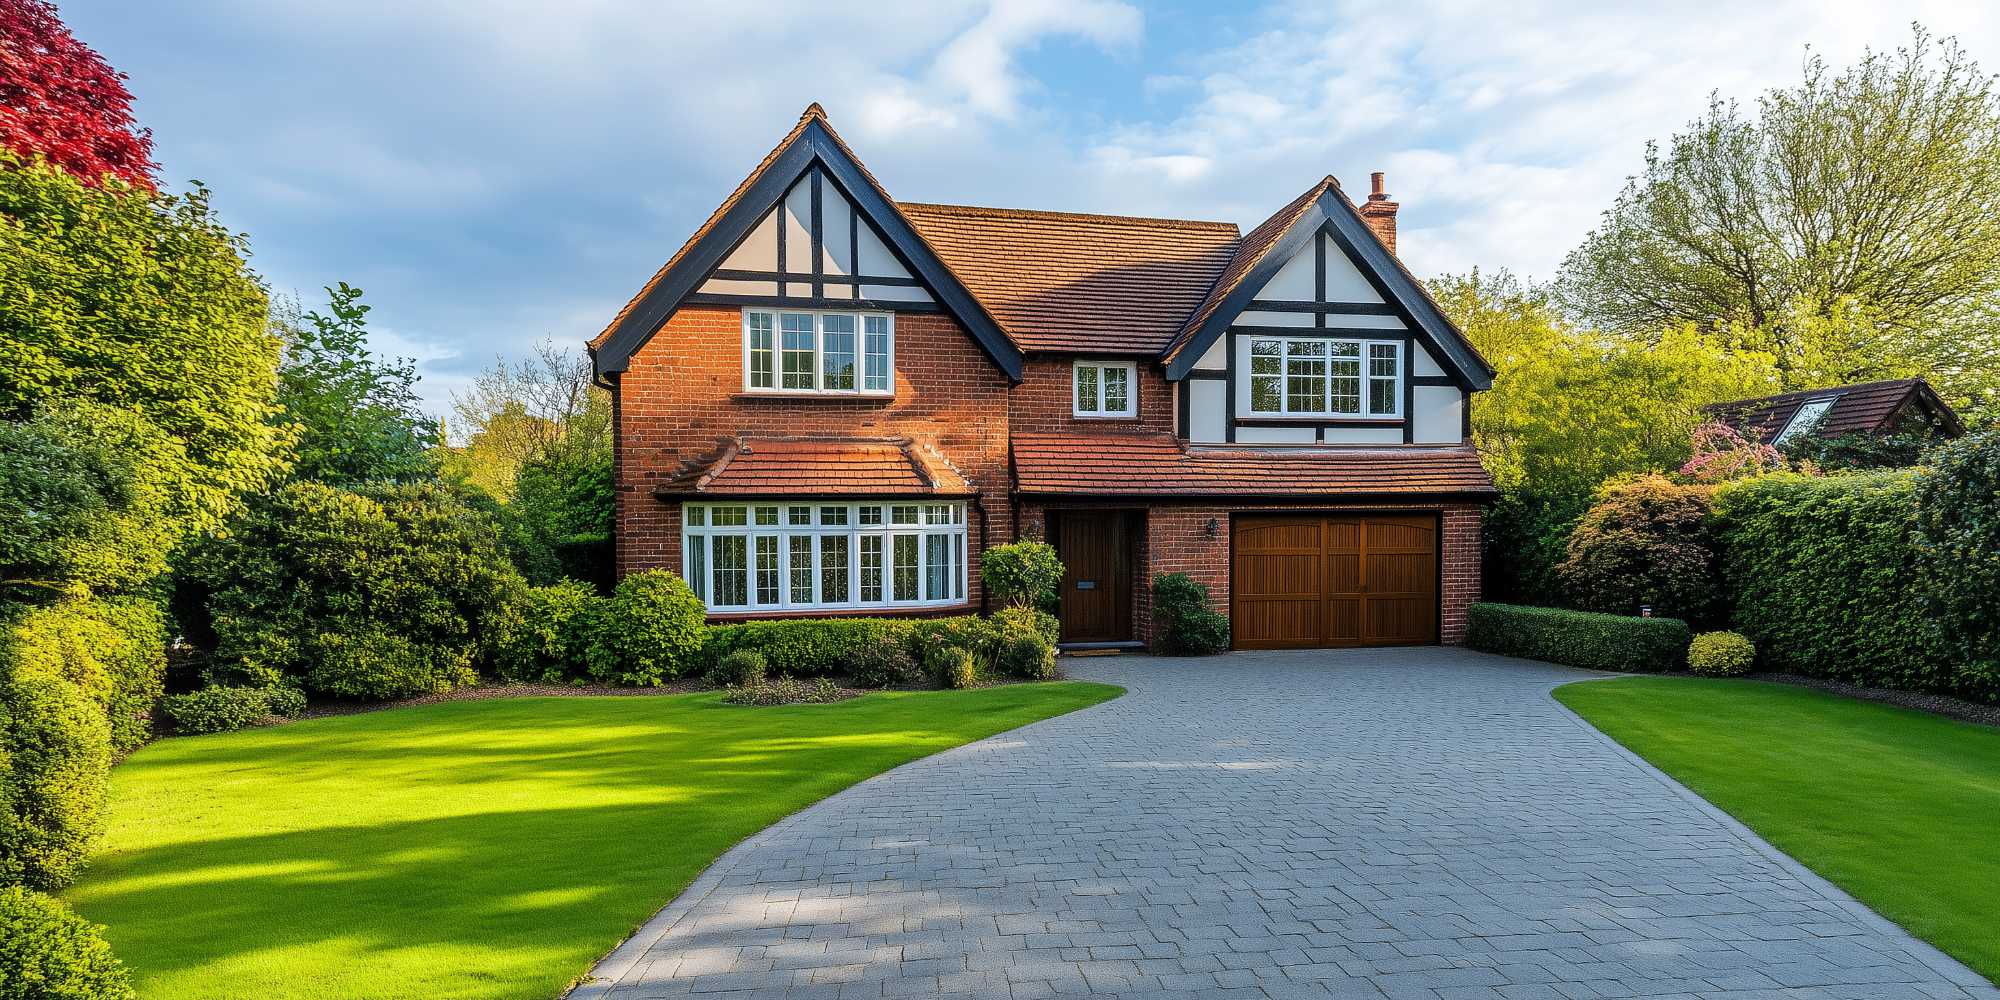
[[1921, 950], [626, 954]]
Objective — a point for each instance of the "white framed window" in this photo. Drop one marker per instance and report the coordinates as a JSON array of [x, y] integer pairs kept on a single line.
[[814, 556], [1105, 389], [1810, 413], [823, 353], [1322, 377]]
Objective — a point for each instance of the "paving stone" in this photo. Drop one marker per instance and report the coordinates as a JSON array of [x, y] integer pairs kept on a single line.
[[1422, 823]]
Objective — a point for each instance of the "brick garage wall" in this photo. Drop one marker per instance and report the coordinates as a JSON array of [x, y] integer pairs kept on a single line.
[[1044, 402], [682, 398], [1175, 539]]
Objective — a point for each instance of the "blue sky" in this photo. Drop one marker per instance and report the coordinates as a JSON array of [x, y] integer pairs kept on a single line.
[[494, 173]]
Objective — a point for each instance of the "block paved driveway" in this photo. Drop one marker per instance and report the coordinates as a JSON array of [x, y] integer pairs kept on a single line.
[[1401, 823]]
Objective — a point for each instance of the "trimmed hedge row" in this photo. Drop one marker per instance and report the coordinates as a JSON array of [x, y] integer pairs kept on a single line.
[[1579, 638], [114, 651]]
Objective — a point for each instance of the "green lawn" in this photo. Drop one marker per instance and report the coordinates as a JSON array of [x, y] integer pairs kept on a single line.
[[1899, 808], [472, 849]]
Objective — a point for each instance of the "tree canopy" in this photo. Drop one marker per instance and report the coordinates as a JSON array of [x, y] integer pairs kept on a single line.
[[1850, 228], [59, 100], [358, 416]]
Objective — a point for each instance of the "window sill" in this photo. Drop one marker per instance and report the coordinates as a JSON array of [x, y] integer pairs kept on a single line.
[[1321, 418], [1104, 417], [901, 610], [815, 397]]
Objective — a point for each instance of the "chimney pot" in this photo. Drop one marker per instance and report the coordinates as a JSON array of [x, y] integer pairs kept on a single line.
[[1375, 192]]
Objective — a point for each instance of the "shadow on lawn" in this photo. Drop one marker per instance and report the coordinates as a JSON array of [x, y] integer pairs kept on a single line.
[[546, 835]]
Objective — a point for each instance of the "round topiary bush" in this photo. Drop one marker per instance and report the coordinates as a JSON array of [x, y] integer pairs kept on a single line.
[[1648, 541], [49, 953], [740, 668], [1022, 573], [1721, 654], [652, 631]]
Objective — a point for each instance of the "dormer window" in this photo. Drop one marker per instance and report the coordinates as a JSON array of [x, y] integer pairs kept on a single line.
[[1105, 389], [1811, 412], [1317, 376], [822, 353]]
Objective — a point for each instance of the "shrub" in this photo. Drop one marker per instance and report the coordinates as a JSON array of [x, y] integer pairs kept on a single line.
[[1047, 625], [558, 520], [1023, 573], [1022, 646], [1183, 623], [1526, 535], [223, 709], [1578, 638], [87, 499], [375, 595], [1721, 654], [929, 640], [953, 666], [55, 757], [653, 631], [544, 633], [785, 691], [1825, 579], [805, 647], [114, 651], [50, 953], [1957, 537], [739, 668], [887, 663], [1646, 542]]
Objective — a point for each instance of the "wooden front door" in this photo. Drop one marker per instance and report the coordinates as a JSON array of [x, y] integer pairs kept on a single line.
[[1303, 581], [1097, 575]]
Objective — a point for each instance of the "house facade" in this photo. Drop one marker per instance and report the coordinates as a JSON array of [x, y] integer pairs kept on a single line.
[[830, 402]]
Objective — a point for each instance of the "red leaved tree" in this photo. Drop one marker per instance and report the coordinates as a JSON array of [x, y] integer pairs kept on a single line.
[[61, 101]]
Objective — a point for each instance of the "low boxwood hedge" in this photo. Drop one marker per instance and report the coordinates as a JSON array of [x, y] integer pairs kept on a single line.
[[804, 647], [1579, 638]]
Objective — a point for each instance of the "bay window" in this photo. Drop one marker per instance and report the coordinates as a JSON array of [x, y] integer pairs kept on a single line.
[[818, 352], [783, 557], [1317, 376]]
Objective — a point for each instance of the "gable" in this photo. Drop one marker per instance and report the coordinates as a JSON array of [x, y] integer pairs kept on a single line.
[[808, 229], [1316, 260]]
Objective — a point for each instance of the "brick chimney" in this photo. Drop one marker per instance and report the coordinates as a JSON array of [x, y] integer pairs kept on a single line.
[[1379, 212]]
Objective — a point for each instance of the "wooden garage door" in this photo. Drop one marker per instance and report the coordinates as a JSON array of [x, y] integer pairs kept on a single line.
[[1351, 580]]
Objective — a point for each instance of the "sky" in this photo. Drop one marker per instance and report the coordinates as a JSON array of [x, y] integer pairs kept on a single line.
[[497, 173]]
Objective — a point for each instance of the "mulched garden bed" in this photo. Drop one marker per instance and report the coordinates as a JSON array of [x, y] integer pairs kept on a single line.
[[1936, 704]]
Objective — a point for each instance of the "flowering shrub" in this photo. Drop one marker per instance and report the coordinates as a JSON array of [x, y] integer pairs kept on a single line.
[[1721, 453]]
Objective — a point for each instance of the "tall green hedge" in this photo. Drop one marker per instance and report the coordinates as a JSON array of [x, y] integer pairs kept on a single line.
[[1825, 578], [1958, 544], [114, 651], [55, 758]]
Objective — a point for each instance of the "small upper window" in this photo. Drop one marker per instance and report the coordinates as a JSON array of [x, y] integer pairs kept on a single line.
[[818, 352], [1105, 390]]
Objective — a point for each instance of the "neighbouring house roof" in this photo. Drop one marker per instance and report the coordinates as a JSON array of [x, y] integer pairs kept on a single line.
[[1160, 465], [1866, 407], [818, 466], [1068, 282], [811, 145]]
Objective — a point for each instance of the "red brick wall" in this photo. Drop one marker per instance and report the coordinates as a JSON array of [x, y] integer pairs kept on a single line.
[[682, 397], [1175, 539], [1044, 402]]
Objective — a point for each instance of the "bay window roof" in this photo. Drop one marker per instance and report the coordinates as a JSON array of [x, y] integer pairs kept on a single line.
[[748, 466]]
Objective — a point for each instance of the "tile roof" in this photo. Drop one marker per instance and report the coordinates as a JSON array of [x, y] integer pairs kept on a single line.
[[802, 466], [1061, 281], [1255, 245], [1161, 465], [1866, 406]]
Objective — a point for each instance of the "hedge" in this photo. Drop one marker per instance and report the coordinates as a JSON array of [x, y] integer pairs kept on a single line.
[[114, 651], [1579, 638], [1826, 580], [50, 953], [55, 760], [805, 647]]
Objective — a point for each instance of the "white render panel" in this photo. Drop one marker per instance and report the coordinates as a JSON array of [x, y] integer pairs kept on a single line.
[[835, 218], [797, 215], [1293, 282], [895, 293], [876, 260], [719, 286], [1344, 281], [1422, 364], [759, 250], [1216, 358], [1255, 318], [1439, 414], [1352, 321], [1208, 408], [1365, 435], [1276, 435]]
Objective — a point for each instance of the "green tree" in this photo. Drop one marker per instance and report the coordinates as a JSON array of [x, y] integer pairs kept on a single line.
[[140, 301], [544, 409], [1851, 228], [87, 498], [358, 416]]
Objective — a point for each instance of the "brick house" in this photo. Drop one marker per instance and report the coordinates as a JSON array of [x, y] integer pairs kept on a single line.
[[831, 402]]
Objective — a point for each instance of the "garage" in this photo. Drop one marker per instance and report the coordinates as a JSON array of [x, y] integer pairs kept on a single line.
[[1302, 581]]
